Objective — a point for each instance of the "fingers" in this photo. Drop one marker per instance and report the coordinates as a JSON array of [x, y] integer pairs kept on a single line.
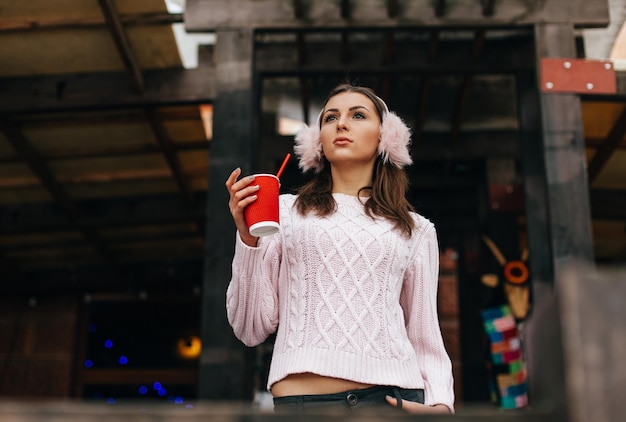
[[418, 408], [242, 193], [392, 401], [233, 177], [233, 185]]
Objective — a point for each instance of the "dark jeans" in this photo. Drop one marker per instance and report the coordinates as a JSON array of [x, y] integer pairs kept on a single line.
[[367, 398]]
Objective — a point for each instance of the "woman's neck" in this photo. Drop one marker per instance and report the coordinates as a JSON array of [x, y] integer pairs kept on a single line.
[[351, 181]]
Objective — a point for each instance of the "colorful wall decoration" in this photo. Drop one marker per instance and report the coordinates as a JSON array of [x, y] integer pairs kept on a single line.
[[507, 361]]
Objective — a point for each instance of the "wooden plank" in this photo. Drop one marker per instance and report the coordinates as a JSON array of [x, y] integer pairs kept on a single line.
[[592, 319], [105, 90], [67, 92], [504, 55], [30, 219], [30, 23], [232, 411], [172, 159], [545, 373], [612, 175], [565, 156], [608, 147], [140, 376], [122, 43], [608, 204], [169, 278], [559, 218], [209, 15]]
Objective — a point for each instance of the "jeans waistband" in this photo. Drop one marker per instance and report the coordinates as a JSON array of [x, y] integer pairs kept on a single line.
[[370, 396]]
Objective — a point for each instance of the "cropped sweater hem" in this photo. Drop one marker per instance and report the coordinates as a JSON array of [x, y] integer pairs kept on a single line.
[[338, 364]]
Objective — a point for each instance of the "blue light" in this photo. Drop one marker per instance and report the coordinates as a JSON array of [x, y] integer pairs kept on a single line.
[[123, 360], [91, 328], [88, 363], [162, 392], [189, 406], [178, 400], [111, 400], [157, 385], [108, 344], [143, 389]]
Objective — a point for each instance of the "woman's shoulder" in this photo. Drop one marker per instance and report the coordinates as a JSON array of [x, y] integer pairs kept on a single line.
[[287, 201], [287, 198], [422, 224]]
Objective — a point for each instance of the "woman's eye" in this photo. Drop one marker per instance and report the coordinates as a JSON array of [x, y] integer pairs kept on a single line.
[[359, 115], [329, 118]]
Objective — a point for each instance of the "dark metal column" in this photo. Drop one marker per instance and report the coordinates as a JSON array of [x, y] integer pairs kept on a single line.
[[225, 365]]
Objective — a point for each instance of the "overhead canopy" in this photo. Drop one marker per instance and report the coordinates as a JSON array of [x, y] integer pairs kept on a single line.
[[105, 136]]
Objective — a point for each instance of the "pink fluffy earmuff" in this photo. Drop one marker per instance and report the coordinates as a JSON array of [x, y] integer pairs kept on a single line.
[[395, 138]]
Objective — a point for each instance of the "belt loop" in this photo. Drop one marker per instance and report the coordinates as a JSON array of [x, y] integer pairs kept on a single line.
[[396, 394]]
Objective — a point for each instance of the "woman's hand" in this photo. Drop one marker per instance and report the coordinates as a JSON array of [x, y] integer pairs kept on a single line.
[[242, 194], [415, 408]]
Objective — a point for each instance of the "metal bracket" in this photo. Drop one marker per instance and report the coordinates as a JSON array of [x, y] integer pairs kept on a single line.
[[577, 76]]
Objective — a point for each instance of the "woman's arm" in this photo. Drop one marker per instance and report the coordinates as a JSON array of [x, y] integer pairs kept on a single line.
[[419, 302], [251, 297]]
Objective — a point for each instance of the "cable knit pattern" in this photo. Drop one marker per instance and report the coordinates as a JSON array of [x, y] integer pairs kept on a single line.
[[355, 299]]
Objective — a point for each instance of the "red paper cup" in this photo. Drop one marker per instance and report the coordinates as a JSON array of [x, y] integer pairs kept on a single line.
[[262, 216]]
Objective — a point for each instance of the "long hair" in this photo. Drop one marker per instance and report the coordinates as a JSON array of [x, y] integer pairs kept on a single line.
[[389, 182]]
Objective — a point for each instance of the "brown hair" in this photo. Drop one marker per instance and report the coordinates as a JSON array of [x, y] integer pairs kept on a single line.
[[389, 187]]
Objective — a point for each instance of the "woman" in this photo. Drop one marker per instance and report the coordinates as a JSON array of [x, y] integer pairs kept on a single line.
[[350, 281]]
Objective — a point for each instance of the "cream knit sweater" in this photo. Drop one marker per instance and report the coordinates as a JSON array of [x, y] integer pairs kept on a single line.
[[351, 297]]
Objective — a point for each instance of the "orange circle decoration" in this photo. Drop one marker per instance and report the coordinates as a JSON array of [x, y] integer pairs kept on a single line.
[[189, 347], [516, 272]]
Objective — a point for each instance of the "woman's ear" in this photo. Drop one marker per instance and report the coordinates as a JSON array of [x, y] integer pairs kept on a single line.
[[308, 147], [395, 140]]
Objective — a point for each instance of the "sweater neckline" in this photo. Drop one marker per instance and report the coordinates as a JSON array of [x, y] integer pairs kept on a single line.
[[344, 197]]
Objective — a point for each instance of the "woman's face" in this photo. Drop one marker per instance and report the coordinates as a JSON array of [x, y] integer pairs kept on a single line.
[[350, 130]]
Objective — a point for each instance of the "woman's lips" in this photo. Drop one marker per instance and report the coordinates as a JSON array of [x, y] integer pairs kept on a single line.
[[342, 141]]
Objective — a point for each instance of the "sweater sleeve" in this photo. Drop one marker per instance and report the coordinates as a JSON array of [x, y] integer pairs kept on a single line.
[[252, 295], [419, 302]]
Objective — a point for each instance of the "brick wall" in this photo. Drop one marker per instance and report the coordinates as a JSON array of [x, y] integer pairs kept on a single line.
[[37, 342], [448, 303]]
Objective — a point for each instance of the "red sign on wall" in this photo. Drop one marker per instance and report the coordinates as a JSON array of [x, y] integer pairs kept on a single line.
[[578, 76]]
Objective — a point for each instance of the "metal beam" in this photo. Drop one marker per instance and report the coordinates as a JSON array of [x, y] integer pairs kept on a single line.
[[234, 145]]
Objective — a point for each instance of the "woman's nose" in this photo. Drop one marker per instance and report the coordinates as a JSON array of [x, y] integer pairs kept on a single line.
[[342, 124]]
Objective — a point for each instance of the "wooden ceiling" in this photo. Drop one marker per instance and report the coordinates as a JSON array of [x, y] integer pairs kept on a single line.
[[105, 137], [97, 178]]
